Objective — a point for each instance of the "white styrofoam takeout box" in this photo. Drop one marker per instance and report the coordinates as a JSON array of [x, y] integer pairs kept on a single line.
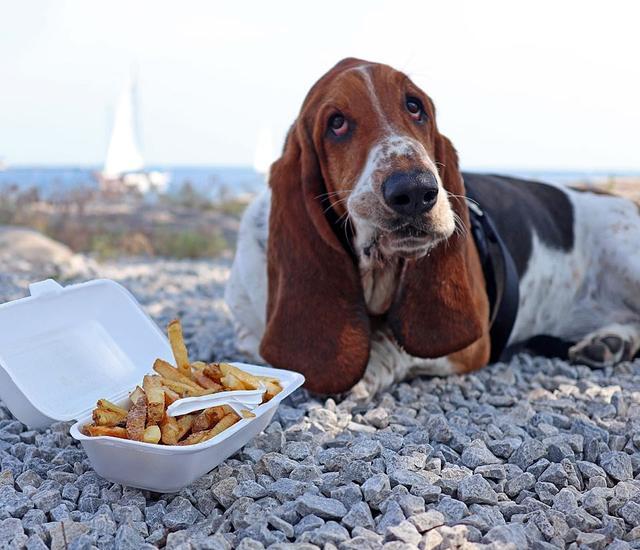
[[63, 348]]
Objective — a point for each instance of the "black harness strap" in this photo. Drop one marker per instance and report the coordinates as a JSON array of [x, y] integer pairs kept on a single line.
[[501, 278]]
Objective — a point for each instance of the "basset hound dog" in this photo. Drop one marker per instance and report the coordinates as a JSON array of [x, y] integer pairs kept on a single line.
[[357, 267]]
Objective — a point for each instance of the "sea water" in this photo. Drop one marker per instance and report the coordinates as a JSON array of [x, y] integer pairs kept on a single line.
[[213, 182], [220, 182]]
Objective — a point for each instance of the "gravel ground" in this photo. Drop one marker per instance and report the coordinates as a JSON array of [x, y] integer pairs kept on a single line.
[[531, 454]]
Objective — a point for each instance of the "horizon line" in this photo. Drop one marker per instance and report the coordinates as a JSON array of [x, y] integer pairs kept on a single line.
[[152, 166]]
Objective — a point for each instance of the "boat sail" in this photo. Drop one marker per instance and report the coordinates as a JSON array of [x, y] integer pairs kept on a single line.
[[264, 155], [123, 167]]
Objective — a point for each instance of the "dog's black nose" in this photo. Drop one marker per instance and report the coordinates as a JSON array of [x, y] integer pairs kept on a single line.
[[410, 193]]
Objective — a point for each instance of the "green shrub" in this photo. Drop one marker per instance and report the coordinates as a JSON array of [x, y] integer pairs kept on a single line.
[[188, 244]]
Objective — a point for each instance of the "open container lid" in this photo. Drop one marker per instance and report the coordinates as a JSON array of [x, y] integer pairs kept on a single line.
[[66, 347]]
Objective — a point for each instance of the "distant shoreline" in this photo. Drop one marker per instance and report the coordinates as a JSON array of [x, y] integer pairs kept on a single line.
[[221, 182]]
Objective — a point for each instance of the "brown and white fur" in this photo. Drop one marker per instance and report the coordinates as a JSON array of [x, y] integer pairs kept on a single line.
[[575, 251]]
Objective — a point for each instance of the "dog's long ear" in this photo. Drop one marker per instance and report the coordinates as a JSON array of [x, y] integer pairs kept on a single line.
[[433, 314], [316, 317]]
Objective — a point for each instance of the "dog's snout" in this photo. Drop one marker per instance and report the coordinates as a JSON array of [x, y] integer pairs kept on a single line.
[[410, 193]]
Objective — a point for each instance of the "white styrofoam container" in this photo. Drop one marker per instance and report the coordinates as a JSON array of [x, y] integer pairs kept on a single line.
[[62, 349]]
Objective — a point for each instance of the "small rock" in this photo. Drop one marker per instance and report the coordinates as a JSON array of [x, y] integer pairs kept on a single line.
[[60, 513], [476, 489], [308, 523], [297, 450], [411, 504], [405, 532], [452, 509], [393, 515], [223, 491], [249, 489], [545, 491], [430, 493], [28, 479], [522, 482], [631, 513], [427, 520], [10, 529], [513, 533], [365, 449], [538, 467], [330, 532], [6, 478], [476, 454], [555, 474], [34, 542], [492, 471], [277, 465], [376, 489], [589, 469], [348, 494], [438, 428], [527, 453], [359, 515], [47, 500], [504, 448], [320, 506], [281, 525], [180, 514], [127, 538], [617, 464]]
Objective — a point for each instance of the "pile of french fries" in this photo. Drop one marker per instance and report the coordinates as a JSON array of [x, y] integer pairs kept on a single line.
[[147, 419]]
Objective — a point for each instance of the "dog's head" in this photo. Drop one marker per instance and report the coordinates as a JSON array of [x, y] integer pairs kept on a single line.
[[365, 178]]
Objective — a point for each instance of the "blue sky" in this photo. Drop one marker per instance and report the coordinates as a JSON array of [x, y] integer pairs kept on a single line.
[[544, 84]]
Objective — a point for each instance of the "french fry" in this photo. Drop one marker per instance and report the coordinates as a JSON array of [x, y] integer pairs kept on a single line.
[[169, 430], [184, 424], [250, 381], [273, 389], [199, 366], [267, 379], [184, 390], [227, 421], [136, 419], [96, 431], [165, 370], [151, 434], [155, 398], [247, 414], [193, 438], [108, 405], [136, 394], [173, 429], [208, 418], [199, 437], [206, 382], [213, 371], [273, 386], [105, 417], [169, 396], [230, 382], [174, 330]]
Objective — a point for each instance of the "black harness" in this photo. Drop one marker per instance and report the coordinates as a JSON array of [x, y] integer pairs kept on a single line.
[[500, 275]]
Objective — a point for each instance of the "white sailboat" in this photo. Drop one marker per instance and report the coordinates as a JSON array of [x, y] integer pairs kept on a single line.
[[265, 152], [123, 167]]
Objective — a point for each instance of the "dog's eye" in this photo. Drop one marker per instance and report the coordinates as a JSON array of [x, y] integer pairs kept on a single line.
[[338, 125], [415, 108]]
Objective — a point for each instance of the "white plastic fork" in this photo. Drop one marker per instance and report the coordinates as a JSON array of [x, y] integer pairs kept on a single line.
[[236, 399]]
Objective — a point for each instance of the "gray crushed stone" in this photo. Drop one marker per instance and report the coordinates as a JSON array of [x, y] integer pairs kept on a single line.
[[535, 453]]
